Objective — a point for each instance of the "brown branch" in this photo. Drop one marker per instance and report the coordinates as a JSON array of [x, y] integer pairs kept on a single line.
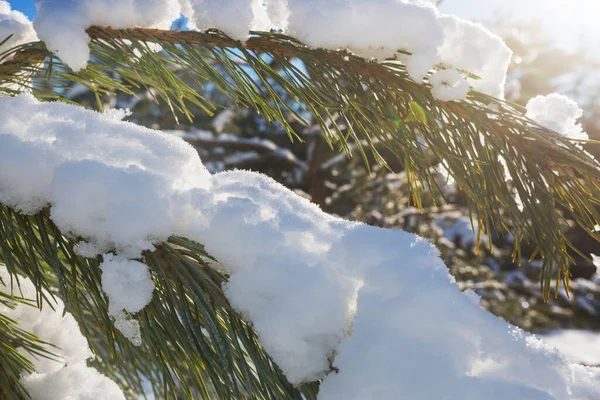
[[211, 38], [21, 60]]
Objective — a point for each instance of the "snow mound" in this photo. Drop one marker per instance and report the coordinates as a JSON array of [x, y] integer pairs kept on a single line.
[[558, 113], [372, 29], [68, 376], [378, 305], [378, 29], [94, 169]]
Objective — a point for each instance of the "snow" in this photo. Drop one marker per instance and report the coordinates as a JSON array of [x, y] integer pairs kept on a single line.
[[48, 149], [222, 119], [234, 17], [579, 346], [377, 29], [14, 23], [379, 305], [380, 28], [372, 29], [67, 376], [471, 47], [62, 23], [448, 85], [558, 113], [129, 287]]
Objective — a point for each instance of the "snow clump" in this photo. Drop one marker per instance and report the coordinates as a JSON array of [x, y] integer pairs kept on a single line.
[[558, 113], [129, 287], [448, 84], [62, 23]]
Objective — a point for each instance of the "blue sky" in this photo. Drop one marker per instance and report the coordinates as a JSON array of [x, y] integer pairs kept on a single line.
[[25, 6]]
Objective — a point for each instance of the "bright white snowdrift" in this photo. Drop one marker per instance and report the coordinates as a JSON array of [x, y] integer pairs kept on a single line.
[[68, 376], [378, 304], [16, 24], [370, 28]]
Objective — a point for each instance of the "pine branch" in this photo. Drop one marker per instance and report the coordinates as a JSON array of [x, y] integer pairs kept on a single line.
[[189, 323], [375, 102]]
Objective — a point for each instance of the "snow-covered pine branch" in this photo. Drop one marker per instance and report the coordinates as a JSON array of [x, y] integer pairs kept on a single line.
[[367, 312]]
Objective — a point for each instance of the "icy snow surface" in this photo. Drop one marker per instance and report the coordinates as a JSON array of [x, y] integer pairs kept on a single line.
[[68, 376], [558, 113], [16, 24], [369, 28], [378, 304]]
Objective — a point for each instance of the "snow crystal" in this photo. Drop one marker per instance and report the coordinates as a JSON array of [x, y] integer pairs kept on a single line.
[[377, 304], [448, 85], [65, 377], [558, 113], [16, 24], [61, 24]]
